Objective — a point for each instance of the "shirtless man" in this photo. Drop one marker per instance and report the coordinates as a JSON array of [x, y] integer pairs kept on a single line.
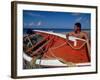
[[77, 32]]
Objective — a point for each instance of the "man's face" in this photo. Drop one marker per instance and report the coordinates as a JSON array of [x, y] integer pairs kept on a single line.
[[77, 29]]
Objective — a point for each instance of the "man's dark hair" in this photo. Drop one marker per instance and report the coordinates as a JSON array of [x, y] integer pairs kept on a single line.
[[78, 25]]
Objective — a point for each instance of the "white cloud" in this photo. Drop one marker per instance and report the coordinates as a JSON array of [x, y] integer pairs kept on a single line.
[[78, 19], [31, 24], [39, 23]]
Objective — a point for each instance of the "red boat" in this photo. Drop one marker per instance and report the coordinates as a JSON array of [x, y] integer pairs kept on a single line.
[[56, 51]]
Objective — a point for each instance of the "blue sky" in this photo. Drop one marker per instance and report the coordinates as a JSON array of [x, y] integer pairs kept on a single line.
[[64, 20]]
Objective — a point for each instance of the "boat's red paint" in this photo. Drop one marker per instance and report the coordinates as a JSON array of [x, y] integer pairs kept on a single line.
[[59, 48]]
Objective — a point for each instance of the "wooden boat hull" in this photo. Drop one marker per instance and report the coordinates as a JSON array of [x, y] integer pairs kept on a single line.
[[62, 50]]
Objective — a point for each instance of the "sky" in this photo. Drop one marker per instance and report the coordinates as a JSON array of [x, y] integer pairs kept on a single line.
[[58, 20]]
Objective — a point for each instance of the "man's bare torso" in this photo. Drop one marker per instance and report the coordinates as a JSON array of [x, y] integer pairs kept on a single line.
[[82, 35]]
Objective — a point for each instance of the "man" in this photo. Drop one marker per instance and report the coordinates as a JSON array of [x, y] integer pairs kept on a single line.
[[77, 32]]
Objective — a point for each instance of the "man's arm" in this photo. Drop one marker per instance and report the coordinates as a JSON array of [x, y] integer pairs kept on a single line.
[[67, 35], [84, 35], [88, 44]]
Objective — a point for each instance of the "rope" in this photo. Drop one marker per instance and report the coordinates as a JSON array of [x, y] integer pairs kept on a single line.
[[59, 46], [29, 41], [71, 45], [70, 64], [78, 47]]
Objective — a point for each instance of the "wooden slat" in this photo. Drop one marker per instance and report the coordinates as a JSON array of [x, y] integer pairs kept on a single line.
[[35, 52], [36, 44]]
